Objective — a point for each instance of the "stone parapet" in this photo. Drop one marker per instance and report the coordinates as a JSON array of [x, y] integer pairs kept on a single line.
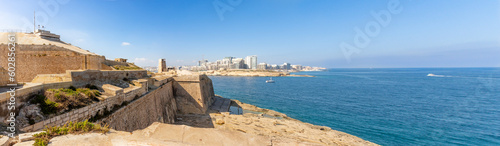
[[112, 90], [193, 93]]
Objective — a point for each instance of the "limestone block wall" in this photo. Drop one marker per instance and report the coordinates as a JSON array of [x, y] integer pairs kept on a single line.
[[51, 78], [75, 115], [157, 106], [47, 59], [4, 77], [106, 67], [161, 97], [157, 81], [112, 90], [113, 63], [94, 62], [22, 96], [188, 94], [81, 78], [194, 94], [131, 93]]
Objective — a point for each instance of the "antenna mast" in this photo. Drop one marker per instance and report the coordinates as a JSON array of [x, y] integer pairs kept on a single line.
[[34, 22]]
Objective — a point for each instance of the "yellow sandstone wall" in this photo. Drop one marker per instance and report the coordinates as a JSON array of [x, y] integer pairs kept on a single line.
[[157, 106], [113, 63], [194, 94], [4, 77], [81, 78], [47, 59]]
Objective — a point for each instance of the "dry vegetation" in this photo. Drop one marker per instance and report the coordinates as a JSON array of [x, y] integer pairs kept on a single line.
[[130, 66], [43, 138], [60, 100]]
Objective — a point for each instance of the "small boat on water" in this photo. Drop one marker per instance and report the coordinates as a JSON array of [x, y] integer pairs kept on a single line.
[[270, 80]]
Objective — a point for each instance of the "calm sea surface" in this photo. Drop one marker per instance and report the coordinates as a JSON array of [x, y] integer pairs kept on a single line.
[[456, 106]]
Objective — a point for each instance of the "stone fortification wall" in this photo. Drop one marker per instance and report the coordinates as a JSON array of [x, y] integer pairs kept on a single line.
[[157, 106], [22, 96], [4, 77], [81, 78], [182, 95], [47, 59], [94, 62], [113, 63], [194, 94], [88, 111], [51, 78]]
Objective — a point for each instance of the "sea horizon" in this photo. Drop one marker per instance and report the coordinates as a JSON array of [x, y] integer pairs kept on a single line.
[[371, 114]]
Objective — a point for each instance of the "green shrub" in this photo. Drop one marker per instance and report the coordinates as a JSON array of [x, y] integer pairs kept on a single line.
[[121, 67], [55, 100], [72, 88], [47, 106], [92, 87]]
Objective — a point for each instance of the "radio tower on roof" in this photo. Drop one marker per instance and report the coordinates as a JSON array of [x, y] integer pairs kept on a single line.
[[34, 22]]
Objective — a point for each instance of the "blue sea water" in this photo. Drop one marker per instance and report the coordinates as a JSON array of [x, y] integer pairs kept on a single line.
[[457, 106]]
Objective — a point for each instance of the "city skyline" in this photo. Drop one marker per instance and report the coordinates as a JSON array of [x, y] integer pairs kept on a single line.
[[447, 34]]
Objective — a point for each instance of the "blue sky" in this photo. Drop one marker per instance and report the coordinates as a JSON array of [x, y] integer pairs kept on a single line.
[[426, 33]]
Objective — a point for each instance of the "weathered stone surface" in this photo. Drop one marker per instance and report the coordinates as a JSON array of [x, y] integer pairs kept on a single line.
[[112, 90], [27, 136], [165, 134], [4, 141], [3, 74], [26, 143], [193, 93], [221, 104], [157, 106], [35, 55]]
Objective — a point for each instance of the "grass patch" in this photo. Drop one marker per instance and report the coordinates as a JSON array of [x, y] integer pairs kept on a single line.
[[56, 100], [47, 106], [43, 138], [121, 67]]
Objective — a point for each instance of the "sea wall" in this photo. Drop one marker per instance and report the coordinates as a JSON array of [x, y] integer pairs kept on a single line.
[[194, 94], [157, 106]]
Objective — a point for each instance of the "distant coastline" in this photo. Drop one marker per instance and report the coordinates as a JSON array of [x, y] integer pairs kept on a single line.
[[250, 73]]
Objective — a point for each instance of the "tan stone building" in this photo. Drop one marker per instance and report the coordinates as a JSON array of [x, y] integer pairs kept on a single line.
[[162, 67], [120, 60]]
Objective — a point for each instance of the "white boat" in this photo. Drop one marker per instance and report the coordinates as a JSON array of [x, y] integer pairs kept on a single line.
[[270, 80]]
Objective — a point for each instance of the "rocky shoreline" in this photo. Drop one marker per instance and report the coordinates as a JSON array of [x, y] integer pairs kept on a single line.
[[255, 126]]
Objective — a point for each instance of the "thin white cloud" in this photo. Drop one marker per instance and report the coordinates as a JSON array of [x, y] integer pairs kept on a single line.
[[145, 62], [125, 44], [73, 36], [13, 21]]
